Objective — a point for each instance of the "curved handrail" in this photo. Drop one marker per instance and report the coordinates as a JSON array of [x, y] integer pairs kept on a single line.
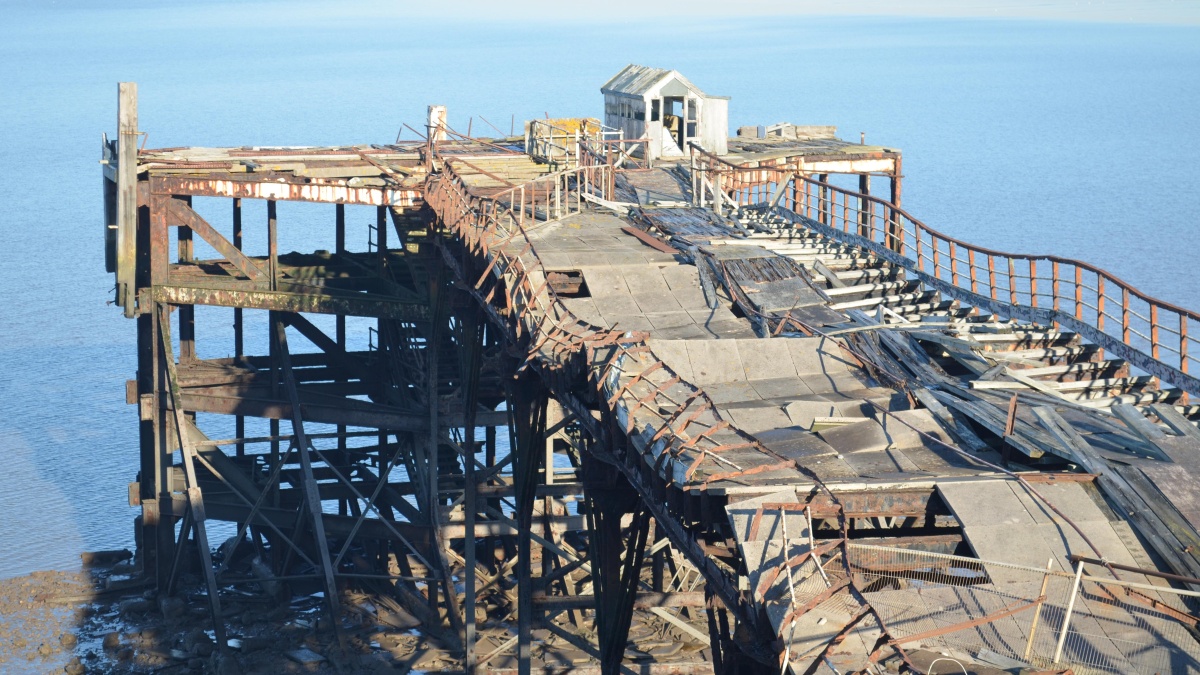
[[1145, 323]]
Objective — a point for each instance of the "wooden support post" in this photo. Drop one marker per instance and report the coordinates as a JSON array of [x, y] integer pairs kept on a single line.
[[127, 204]]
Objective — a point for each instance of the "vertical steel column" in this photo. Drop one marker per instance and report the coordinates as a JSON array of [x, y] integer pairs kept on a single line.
[[187, 313], [864, 217], [438, 302], [272, 245], [155, 271], [616, 559], [473, 341], [273, 348], [340, 250], [527, 405], [239, 345], [381, 234]]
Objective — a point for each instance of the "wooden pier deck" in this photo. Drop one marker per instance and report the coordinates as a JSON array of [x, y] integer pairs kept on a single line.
[[710, 416]]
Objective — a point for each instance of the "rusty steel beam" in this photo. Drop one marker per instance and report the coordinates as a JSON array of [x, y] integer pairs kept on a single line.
[[284, 188], [285, 519], [182, 214], [351, 412], [283, 301]]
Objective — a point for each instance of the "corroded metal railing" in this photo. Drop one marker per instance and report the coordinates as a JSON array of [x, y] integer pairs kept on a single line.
[[1158, 337], [496, 228]]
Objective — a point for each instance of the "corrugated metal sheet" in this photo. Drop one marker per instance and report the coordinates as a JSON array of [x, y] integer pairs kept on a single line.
[[635, 80], [689, 222]]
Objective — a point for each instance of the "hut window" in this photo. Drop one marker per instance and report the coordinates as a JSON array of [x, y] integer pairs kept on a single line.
[[654, 105], [691, 113], [640, 114]]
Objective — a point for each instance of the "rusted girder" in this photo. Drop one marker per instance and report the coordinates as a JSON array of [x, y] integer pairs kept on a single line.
[[284, 188], [284, 301]]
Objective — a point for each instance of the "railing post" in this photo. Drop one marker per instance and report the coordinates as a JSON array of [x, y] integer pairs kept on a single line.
[[864, 220], [1012, 282], [1054, 283], [695, 177], [1062, 636], [1125, 315], [824, 212], [971, 270], [917, 246], [1078, 292], [1154, 331], [1032, 284], [1037, 612], [1183, 343], [1100, 302], [992, 274], [953, 264]]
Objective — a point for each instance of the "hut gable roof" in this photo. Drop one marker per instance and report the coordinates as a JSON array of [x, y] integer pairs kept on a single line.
[[635, 80]]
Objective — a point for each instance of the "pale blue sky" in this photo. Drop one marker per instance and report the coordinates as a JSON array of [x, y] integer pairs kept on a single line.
[[1117, 11]]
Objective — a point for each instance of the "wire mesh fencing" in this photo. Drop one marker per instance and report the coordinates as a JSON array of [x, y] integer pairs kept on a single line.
[[1012, 615]]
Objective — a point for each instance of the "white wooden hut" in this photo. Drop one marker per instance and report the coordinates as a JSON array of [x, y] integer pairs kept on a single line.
[[666, 108]]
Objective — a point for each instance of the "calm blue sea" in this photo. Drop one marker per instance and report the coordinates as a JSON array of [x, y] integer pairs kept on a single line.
[[1074, 138]]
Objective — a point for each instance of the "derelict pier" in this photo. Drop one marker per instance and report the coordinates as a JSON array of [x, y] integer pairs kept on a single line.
[[637, 394]]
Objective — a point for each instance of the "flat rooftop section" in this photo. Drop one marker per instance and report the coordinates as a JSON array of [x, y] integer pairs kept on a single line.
[[751, 151], [376, 165]]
